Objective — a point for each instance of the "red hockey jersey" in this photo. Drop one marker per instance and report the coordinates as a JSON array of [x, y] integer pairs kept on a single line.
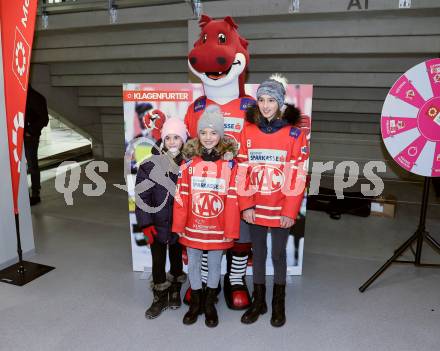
[[272, 173], [206, 213], [234, 113]]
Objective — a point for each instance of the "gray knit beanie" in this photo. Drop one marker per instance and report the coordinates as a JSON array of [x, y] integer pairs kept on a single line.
[[274, 86], [212, 118]]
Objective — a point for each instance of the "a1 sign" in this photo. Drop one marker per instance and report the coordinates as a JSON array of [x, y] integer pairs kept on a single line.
[[404, 4], [21, 58]]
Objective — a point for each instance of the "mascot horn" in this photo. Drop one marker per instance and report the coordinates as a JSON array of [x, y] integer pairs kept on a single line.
[[219, 59]]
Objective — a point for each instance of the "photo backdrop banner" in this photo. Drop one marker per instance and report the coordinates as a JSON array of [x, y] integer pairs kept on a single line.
[[146, 107]]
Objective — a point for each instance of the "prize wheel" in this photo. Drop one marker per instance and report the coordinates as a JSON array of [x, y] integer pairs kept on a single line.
[[410, 120]]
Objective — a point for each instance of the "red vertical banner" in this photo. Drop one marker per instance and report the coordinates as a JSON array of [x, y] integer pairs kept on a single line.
[[17, 33]]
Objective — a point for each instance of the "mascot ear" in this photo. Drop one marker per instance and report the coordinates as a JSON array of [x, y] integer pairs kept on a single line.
[[244, 42], [204, 20], [228, 19]]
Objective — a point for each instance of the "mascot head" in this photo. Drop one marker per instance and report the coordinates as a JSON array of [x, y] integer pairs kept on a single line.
[[220, 55], [153, 122]]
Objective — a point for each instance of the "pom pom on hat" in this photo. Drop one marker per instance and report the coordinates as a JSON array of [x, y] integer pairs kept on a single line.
[[280, 79]]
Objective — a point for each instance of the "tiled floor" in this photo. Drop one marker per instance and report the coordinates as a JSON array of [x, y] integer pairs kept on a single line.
[[93, 301]]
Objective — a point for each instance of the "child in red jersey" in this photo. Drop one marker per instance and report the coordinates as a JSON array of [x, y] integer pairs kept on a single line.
[[273, 150], [234, 114], [206, 213]]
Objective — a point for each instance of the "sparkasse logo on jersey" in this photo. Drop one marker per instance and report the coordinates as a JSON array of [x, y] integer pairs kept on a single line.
[[208, 183], [267, 156], [233, 124]]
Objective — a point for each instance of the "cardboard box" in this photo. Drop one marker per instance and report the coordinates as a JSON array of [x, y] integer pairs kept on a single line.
[[384, 206]]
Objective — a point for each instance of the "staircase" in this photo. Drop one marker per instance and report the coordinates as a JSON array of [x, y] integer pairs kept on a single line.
[[351, 51]]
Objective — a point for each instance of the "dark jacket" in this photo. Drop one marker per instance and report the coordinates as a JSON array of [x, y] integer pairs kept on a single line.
[[36, 116], [159, 174]]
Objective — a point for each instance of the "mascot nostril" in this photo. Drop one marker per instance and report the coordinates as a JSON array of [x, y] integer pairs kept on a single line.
[[221, 60], [193, 60]]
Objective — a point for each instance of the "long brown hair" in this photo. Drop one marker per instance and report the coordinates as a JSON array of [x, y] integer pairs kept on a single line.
[[291, 114]]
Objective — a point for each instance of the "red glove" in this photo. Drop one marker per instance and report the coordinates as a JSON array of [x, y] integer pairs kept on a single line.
[[184, 256], [149, 233]]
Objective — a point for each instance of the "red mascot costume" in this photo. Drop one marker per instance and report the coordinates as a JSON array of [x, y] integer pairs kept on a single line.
[[220, 58]]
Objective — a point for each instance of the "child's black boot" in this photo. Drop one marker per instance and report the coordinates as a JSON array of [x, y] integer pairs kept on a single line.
[[258, 305], [278, 306], [160, 300], [174, 300], [195, 307], [211, 317]]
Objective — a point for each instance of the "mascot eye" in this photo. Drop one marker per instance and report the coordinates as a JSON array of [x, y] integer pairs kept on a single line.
[[221, 38], [205, 38]]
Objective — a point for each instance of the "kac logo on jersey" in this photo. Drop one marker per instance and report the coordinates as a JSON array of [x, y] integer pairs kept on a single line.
[[267, 179], [200, 104], [207, 205]]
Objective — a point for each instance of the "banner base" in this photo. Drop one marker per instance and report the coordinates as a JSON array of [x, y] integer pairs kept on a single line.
[[21, 274]]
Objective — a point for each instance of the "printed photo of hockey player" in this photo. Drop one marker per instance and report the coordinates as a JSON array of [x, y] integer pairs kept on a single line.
[[146, 108]]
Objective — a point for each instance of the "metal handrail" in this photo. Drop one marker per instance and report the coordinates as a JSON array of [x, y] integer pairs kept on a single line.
[[66, 6]]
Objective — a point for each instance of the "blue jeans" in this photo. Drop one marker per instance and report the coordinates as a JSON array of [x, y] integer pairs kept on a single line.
[[195, 265]]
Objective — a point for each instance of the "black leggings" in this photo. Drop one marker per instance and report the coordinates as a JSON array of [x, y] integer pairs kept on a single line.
[[159, 254], [259, 248]]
